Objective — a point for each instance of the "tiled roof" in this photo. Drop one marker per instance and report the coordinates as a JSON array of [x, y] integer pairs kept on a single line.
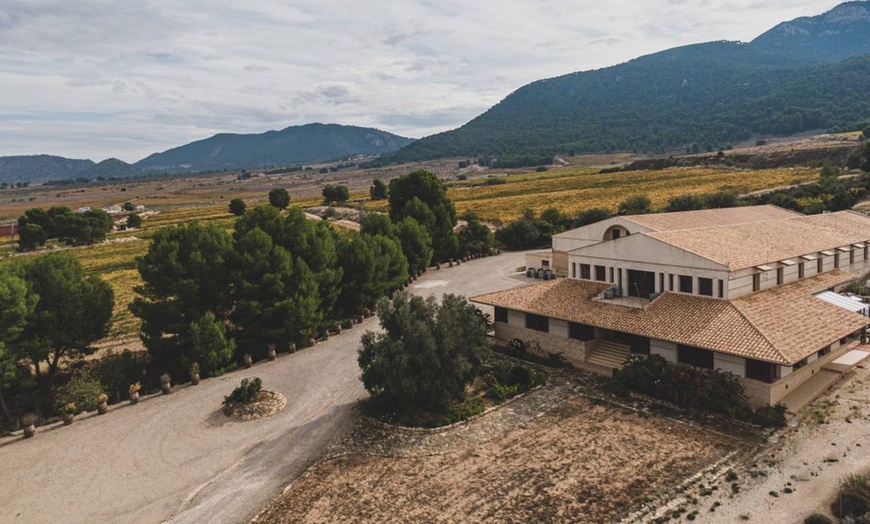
[[710, 217], [751, 244], [781, 325]]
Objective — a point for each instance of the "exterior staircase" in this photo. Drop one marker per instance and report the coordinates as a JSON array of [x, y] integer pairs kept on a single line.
[[609, 354]]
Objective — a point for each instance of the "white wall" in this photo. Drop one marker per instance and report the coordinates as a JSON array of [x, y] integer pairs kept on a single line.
[[592, 234], [730, 363], [667, 350], [516, 318], [558, 327]]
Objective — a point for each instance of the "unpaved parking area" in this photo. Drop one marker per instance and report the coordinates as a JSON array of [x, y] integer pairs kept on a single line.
[[580, 461]]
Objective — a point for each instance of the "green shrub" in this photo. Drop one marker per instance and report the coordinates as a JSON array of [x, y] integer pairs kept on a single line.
[[463, 411], [81, 389], [769, 416], [246, 393], [516, 348], [853, 498], [500, 393], [818, 518]]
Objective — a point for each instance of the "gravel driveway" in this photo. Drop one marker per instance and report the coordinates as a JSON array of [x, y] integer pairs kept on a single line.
[[178, 457]]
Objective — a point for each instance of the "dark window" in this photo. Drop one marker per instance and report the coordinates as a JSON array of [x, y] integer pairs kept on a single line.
[[800, 364], [758, 370], [721, 288], [756, 281], [501, 315], [700, 358], [615, 234], [824, 351], [779, 276], [671, 282], [573, 270], [866, 251], [611, 274], [545, 263], [639, 345], [661, 282], [801, 270], [851, 256], [705, 287], [581, 331], [685, 284], [585, 272], [537, 322], [836, 260], [820, 264], [600, 273]]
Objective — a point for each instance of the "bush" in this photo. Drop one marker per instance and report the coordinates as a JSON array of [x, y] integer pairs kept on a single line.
[[818, 518], [463, 411], [769, 416], [853, 498], [116, 371], [81, 389], [246, 393], [516, 348]]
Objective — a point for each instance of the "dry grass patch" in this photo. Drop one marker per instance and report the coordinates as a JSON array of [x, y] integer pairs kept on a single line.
[[580, 462]]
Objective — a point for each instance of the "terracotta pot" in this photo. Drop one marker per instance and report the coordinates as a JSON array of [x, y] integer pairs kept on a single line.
[[194, 379], [165, 388], [134, 398], [360, 318], [311, 341], [270, 354], [437, 266], [102, 408], [449, 263], [68, 419], [291, 347], [338, 329], [29, 431], [248, 362], [326, 334]]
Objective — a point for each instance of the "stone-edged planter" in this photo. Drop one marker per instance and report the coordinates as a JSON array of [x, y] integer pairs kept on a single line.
[[267, 404], [271, 354], [247, 361], [68, 419]]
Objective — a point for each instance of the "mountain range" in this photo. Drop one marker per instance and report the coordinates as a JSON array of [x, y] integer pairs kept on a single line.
[[808, 74], [306, 144], [812, 73]]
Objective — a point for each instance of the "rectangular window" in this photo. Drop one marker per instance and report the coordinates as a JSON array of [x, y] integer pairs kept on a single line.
[[545, 263], [700, 358], [801, 270], [537, 322], [759, 370], [686, 284], [836, 260], [780, 276], [661, 282], [756, 281], [671, 282], [573, 269], [611, 275], [581, 331], [820, 264], [851, 256], [615, 233], [705, 287], [585, 271], [501, 315], [721, 288], [600, 273]]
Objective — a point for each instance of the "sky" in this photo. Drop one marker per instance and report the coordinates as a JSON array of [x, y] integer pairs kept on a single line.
[[126, 78]]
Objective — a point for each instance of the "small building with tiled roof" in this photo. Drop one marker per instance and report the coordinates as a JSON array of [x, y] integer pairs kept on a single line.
[[731, 289]]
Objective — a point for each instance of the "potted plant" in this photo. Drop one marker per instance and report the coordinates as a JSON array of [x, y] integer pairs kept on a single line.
[[291, 347], [312, 338], [28, 424], [165, 383], [134, 392], [246, 358], [326, 333], [102, 404], [68, 412], [270, 352], [194, 373], [337, 327]]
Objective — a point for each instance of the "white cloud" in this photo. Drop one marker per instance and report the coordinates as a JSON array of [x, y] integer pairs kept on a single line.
[[101, 78]]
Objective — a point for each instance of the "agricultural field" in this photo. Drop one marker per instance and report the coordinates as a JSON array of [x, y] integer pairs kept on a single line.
[[574, 189]]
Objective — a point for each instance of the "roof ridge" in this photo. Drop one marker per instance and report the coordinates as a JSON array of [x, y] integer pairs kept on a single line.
[[757, 329]]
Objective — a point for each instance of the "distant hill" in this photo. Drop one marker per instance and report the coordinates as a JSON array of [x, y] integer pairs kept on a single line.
[[39, 168], [305, 144], [808, 74]]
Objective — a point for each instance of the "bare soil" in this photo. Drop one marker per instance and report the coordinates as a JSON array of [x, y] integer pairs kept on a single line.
[[581, 461]]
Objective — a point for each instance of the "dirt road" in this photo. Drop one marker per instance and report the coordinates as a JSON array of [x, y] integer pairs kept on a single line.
[[178, 457]]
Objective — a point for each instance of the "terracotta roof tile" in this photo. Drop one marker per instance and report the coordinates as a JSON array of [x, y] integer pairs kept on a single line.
[[781, 325]]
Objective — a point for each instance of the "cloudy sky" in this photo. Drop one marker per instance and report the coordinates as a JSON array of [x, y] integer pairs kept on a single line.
[[126, 78]]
